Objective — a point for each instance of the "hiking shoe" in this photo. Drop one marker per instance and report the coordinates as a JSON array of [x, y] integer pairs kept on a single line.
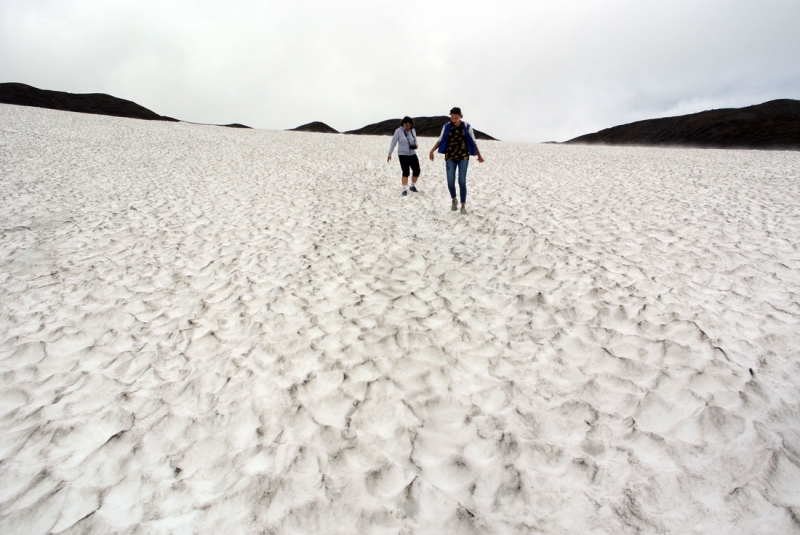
[[454, 207], [404, 193], [414, 189], [463, 210]]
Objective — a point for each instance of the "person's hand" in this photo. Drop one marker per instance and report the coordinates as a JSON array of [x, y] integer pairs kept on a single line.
[[389, 159], [430, 155], [480, 159]]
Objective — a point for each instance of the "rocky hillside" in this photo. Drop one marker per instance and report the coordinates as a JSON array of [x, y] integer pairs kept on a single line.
[[772, 125], [96, 103], [425, 127], [316, 126]]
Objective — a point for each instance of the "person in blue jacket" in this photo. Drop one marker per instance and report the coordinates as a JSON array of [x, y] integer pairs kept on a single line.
[[457, 143], [405, 137]]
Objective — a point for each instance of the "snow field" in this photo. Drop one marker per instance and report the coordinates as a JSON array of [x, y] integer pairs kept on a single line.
[[209, 330]]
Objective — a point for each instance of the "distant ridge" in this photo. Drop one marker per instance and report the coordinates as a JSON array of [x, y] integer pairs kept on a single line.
[[315, 126], [424, 126], [771, 125], [93, 103]]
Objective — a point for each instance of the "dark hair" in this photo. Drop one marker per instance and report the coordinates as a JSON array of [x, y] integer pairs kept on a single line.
[[456, 110], [407, 119]]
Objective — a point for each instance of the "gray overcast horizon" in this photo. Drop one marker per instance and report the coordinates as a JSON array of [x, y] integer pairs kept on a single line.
[[532, 70]]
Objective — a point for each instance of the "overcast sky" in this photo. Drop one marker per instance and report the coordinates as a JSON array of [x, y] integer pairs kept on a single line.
[[523, 70]]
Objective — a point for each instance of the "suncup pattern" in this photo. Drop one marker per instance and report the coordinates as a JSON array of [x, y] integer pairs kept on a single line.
[[206, 330]]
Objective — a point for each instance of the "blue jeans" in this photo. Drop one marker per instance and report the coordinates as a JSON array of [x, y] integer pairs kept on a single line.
[[462, 178]]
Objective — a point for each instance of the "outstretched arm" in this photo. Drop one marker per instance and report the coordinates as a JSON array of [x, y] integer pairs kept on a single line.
[[478, 150], [433, 150], [438, 142], [395, 139]]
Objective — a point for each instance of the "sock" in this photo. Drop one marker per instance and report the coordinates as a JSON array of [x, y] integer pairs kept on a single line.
[[405, 188]]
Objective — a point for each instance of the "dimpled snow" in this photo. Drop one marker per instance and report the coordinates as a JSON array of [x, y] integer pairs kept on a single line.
[[211, 330]]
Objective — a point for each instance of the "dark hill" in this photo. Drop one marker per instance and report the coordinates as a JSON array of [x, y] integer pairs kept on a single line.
[[316, 126], [425, 127], [96, 103], [772, 125]]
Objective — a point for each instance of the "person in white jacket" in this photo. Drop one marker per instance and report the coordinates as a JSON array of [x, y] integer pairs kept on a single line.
[[405, 137]]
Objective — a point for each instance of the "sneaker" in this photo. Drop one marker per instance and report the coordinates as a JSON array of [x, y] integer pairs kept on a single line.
[[404, 193], [463, 210], [414, 189], [454, 207]]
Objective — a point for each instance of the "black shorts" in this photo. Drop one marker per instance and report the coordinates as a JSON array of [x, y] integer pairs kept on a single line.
[[407, 162]]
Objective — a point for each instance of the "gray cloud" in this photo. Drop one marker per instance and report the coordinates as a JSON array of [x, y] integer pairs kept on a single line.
[[522, 70]]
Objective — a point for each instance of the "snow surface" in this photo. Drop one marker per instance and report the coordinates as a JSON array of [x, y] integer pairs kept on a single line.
[[210, 330]]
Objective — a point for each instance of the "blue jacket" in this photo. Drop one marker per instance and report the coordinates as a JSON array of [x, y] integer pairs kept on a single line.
[[472, 147]]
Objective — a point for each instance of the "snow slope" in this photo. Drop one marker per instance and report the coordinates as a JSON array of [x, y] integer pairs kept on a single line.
[[208, 330]]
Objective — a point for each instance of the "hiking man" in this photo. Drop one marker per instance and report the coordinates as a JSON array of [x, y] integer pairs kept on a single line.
[[457, 143]]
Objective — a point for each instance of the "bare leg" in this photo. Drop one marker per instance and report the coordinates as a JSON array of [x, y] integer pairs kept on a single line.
[[405, 181]]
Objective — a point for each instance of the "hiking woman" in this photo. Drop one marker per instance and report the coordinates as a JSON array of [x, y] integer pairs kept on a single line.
[[405, 137], [457, 143]]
